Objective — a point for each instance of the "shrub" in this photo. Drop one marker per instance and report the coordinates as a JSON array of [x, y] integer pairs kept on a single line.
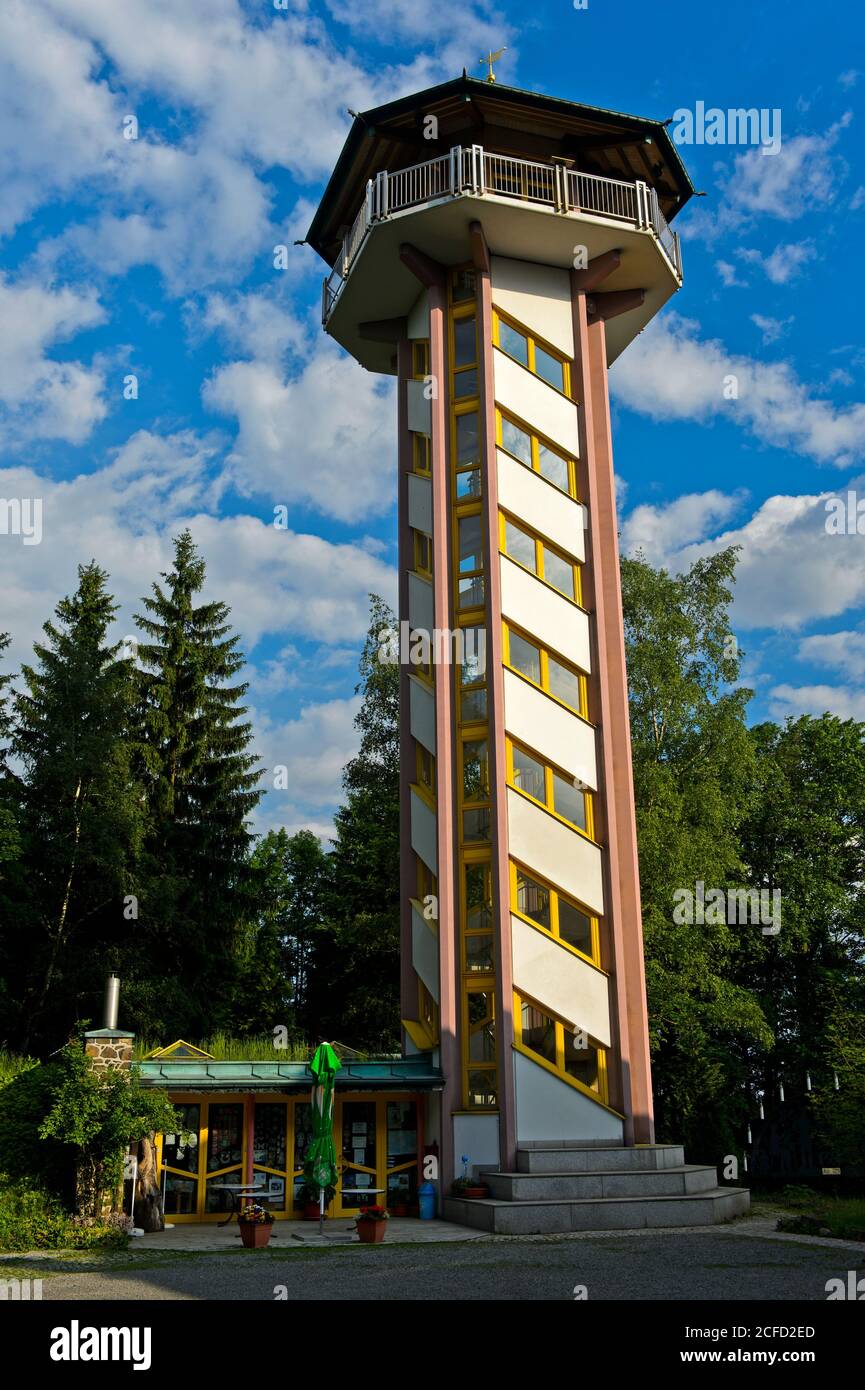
[[33, 1219]]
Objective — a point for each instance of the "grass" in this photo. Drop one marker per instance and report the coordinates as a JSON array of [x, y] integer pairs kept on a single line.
[[12, 1064], [225, 1048], [811, 1213]]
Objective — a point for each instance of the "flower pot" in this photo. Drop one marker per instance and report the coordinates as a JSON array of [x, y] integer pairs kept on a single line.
[[371, 1232], [477, 1191], [255, 1234]]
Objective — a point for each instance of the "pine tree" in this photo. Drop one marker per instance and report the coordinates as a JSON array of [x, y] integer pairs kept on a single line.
[[199, 781], [80, 810]]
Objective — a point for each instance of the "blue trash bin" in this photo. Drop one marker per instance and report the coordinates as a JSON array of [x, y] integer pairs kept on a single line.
[[427, 1201]]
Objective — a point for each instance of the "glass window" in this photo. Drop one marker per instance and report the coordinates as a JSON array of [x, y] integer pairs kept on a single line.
[[482, 1090], [422, 553], [479, 897], [539, 1032], [473, 707], [476, 825], [514, 343], [466, 383], [564, 683], [568, 801], [471, 552], [469, 484], [553, 467], [420, 357], [533, 900], [463, 286], [525, 657], [482, 1027], [421, 453], [520, 546], [550, 368], [559, 572], [465, 349], [575, 927], [180, 1149], [581, 1062], [225, 1136], [468, 439], [517, 442], [476, 783], [471, 592], [269, 1141], [479, 953], [473, 654], [528, 774]]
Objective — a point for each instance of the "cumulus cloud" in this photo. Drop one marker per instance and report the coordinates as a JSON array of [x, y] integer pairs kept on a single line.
[[40, 397], [670, 373], [771, 329], [303, 760], [784, 263], [792, 700], [843, 651]]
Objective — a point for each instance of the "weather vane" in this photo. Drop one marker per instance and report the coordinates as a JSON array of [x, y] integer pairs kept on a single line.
[[490, 59]]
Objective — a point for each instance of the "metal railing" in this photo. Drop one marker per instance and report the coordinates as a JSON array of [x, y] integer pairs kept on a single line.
[[471, 169]]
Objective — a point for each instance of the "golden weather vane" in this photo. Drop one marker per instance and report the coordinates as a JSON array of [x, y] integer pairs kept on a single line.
[[490, 59]]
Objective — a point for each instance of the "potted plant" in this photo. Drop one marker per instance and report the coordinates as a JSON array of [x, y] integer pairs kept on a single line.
[[466, 1186], [308, 1198], [255, 1226], [371, 1224]]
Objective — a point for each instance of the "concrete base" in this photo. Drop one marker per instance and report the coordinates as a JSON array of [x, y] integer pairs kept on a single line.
[[573, 1188]]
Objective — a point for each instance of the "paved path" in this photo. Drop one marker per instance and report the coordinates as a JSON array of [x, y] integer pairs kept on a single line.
[[728, 1264]]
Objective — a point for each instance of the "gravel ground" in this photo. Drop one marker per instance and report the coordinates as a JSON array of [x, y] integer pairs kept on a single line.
[[663, 1266]]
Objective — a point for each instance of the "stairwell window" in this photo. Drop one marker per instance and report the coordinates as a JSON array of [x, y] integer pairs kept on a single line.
[[556, 790], [550, 673], [560, 1047], [528, 448], [541, 559], [422, 553], [553, 911], [537, 356]]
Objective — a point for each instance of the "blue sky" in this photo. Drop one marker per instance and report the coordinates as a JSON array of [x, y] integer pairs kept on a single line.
[[154, 257]]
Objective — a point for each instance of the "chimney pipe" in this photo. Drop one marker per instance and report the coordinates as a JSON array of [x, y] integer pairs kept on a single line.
[[112, 1001]]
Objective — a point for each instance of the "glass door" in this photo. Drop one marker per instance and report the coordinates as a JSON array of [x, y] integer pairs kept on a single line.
[[270, 1153], [357, 1156], [225, 1154], [179, 1164]]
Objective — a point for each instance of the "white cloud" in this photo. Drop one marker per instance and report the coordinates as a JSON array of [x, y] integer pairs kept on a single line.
[[790, 570], [843, 651], [300, 439], [792, 700], [784, 263], [849, 78], [313, 748], [771, 329], [662, 531], [669, 373], [41, 398], [729, 275]]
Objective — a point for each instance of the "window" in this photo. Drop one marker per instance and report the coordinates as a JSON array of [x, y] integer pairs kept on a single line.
[[541, 558], [427, 886], [462, 286], [465, 356], [477, 918], [468, 439], [422, 553], [421, 460], [420, 361], [426, 768], [476, 780], [536, 453], [540, 358], [428, 1013], [480, 1032], [470, 558], [473, 691], [560, 1046], [553, 675], [555, 790], [548, 908]]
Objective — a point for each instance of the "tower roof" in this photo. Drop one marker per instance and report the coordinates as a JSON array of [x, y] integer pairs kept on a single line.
[[507, 120]]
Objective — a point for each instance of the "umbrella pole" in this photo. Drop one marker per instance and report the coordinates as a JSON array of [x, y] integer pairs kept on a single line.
[[321, 1211]]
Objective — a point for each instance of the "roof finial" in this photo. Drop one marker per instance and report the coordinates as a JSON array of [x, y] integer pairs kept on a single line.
[[490, 59]]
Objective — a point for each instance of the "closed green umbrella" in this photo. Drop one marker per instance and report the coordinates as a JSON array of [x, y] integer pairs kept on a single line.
[[319, 1168]]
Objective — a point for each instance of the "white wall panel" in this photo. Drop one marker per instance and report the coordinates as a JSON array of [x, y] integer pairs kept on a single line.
[[477, 1136], [422, 713], [420, 604], [423, 832], [548, 1108], [419, 409], [561, 855], [544, 614], [541, 505], [560, 981], [420, 510], [425, 952], [559, 736], [528, 396], [538, 296], [418, 317]]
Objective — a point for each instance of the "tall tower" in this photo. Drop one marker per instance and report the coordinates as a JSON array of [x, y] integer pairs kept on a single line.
[[496, 250]]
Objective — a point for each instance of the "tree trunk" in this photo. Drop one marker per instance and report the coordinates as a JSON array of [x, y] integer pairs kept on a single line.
[[148, 1199]]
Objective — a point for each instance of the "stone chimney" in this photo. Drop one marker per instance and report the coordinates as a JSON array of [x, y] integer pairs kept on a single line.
[[109, 1046]]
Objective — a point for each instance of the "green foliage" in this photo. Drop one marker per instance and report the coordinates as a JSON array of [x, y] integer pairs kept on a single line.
[[98, 1113], [33, 1219], [26, 1097]]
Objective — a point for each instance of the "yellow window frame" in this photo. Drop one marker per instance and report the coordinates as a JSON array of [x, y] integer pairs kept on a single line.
[[425, 766], [421, 459], [533, 341], [555, 897], [558, 1068], [422, 547], [537, 442], [545, 655], [479, 984], [550, 771], [420, 358], [541, 547]]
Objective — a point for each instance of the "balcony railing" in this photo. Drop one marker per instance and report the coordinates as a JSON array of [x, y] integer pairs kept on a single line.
[[472, 169]]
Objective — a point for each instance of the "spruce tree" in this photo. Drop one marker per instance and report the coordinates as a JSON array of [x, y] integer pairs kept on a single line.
[[200, 788], [80, 811]]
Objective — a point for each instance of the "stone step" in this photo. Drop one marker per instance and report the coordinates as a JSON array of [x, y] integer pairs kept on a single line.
[[555, 1157], [569, 1186], [598, 1214]]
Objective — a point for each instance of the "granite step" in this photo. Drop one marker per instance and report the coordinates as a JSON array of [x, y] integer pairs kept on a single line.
[[566, 1186], [551, 1216], [563, 1157]]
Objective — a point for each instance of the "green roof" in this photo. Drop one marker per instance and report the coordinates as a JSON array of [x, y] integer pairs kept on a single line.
[[396, 1074]]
